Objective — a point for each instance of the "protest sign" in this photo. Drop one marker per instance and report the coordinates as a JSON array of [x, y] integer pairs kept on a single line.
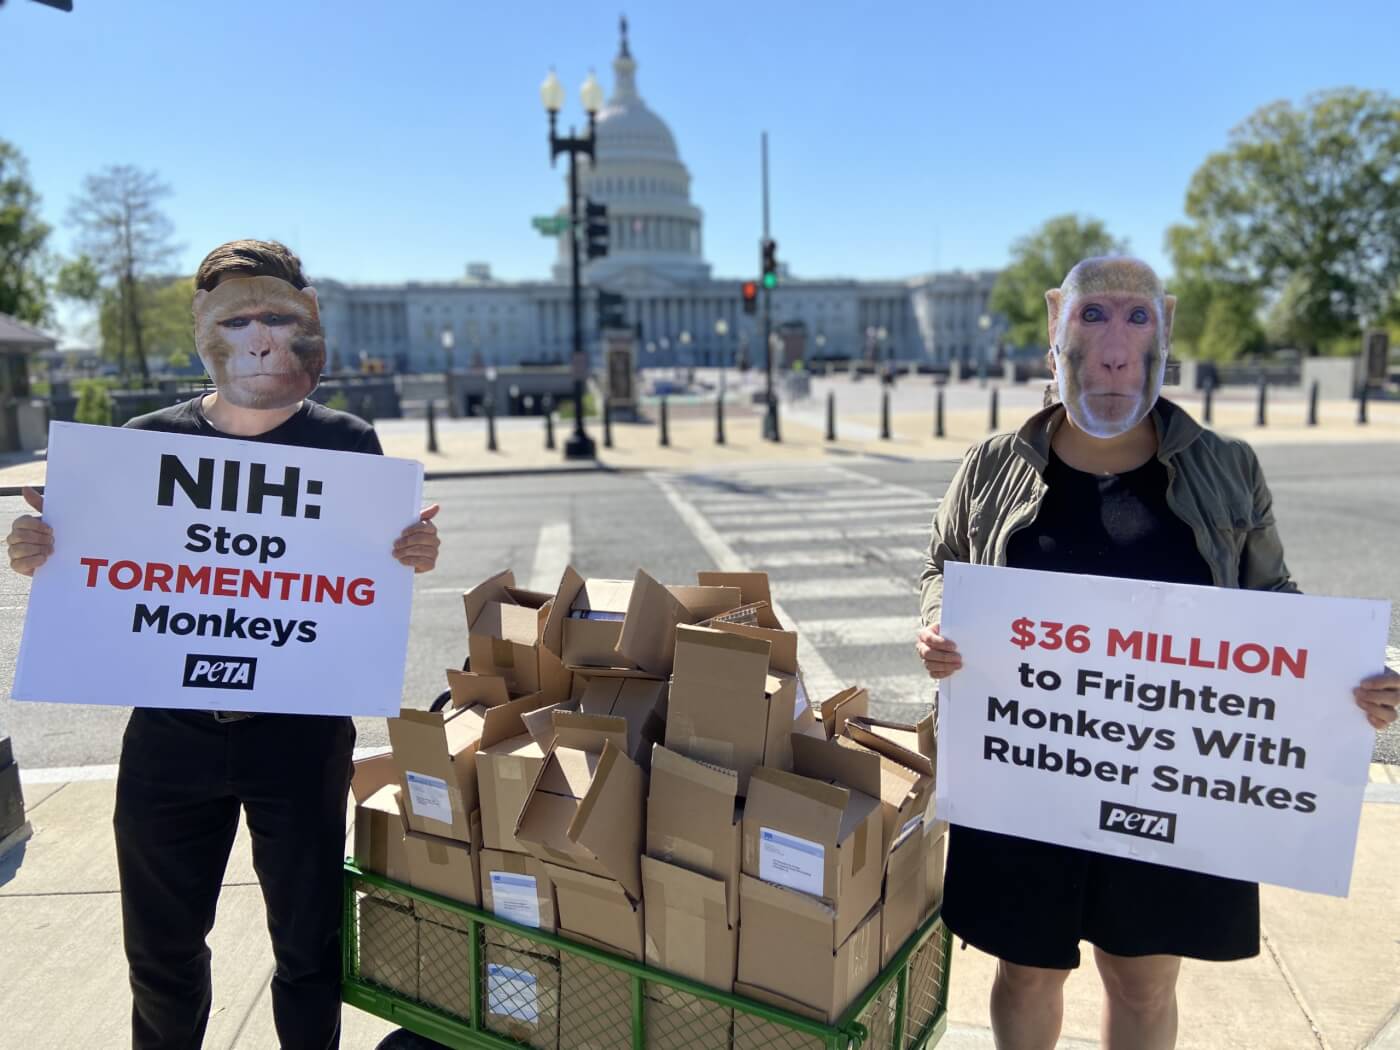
[[1199, 727], [217, 574]]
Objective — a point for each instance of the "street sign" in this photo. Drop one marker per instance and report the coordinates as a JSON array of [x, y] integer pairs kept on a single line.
[[551, 225]]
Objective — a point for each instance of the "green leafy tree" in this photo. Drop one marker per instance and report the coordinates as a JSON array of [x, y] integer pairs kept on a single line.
[[23, 290], [1217, 310], [1039, 261], [94, 403], [122, 230], [1304, 208]]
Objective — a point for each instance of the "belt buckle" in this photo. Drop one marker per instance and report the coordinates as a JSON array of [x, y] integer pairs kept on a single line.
[[225, 717]]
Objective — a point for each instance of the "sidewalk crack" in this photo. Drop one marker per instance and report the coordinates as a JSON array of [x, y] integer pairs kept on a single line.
[[248, 1014], [1293, 989]]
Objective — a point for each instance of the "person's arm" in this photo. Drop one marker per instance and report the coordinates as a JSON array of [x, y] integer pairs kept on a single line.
[[947, 542], [1262, 567]]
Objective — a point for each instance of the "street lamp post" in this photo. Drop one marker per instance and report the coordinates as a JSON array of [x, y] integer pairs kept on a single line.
[[721, 330], [449, 340], [985, 324], [579, 445], [684, 339]]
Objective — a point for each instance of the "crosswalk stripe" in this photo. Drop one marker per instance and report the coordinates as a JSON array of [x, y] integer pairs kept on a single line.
[[866, 630], [854, 531], [831, 556], [750, 518]]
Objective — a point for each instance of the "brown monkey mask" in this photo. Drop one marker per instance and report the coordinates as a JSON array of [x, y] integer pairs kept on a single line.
[[1110, 333], [260, 341]]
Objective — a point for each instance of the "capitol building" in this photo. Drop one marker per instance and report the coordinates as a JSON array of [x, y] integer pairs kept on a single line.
[[656, 260]]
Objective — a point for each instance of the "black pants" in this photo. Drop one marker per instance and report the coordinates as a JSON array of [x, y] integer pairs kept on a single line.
[[182, 781]]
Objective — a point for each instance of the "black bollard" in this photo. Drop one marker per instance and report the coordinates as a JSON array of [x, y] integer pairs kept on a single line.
[[607, 422], [367, 409], [830, 415], [548, 422], [992, 422], [770, 420], [719, 420], [938, 415], [1312, 404], [1361, 404], [432, 428], [885, 416], [665, 424], [1207, 400], [490, 423], [1261, 411]]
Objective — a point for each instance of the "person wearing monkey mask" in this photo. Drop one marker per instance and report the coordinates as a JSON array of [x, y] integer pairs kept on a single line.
[[185, 775], [1109, 479]]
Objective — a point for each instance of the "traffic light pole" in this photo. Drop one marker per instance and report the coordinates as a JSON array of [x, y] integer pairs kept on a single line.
[[770, 419], [579, 445]]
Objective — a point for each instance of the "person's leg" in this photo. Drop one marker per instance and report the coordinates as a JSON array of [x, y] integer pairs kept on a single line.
[[293, 776], [174, 827], [1028, 1006], [1139, 1000]]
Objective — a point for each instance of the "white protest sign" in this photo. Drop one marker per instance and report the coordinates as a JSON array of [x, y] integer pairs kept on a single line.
[[217, 574], [1198, 727]]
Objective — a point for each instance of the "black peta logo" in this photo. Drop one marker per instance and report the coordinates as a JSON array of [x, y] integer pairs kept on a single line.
[[1131, 820], [220, 672]]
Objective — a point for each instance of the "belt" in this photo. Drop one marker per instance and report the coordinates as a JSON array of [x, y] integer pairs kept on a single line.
[[224, 717]]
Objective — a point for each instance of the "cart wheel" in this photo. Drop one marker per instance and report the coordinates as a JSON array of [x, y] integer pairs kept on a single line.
[[403, 1039]]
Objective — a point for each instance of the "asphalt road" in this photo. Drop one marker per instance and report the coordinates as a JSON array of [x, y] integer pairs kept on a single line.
[[842, 541]]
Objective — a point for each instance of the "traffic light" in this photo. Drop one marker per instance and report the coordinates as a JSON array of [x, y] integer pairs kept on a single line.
[[611, 310], [596, 229], [750, 291], [770, 263]]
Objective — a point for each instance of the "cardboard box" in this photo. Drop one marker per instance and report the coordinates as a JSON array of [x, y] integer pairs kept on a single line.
[[693, 820], [517, 887], [725, 707], [835, 711], [906, 892], [679, 1021], [445, 866], [505, 637], [521, 996], [379, 844], [782, 662], [639, 703], [753, 590], [585, 808], [621, 627], [913, 745], [436, 751], [389, 945], [595, 1004], [787, 946], [819, 836], [506, 769], [935, 860], [599, 911], [688, 931], [754, 1033], [444, 961]]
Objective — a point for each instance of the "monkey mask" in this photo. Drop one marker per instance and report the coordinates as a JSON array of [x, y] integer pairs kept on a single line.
[[260, 341], [1110, 333]]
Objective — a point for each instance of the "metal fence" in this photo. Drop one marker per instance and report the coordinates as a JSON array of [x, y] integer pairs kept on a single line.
[[466, 978]]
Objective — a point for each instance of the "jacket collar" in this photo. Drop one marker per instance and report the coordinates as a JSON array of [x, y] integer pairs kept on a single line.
[[1175, 431]]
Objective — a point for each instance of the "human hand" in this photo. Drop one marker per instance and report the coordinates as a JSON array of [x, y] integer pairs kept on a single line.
[[940, 656], [417, 545], [30, 540], [1379, 696]]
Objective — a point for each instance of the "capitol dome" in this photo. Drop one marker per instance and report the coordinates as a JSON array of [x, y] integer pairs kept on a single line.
[[654, 231]]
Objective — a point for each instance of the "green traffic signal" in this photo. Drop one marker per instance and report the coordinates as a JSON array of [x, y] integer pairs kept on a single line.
[[770, 280]]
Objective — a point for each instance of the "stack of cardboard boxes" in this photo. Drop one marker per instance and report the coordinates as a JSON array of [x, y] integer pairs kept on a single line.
[[637, 767]]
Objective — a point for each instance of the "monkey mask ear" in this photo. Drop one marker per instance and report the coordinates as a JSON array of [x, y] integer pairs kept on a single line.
[[1054, 302], [1168, 312]]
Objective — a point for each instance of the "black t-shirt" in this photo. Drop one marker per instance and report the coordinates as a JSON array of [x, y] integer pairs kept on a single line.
[[1109, 525], [310, 426]]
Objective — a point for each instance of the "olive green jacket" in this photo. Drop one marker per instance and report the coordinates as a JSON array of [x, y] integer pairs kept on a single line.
[[1214, 484]]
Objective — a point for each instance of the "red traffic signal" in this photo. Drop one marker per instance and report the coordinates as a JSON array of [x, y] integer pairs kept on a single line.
[[750, 292]]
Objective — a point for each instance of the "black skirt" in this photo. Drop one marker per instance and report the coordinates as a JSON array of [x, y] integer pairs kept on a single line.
[[1031, 903]]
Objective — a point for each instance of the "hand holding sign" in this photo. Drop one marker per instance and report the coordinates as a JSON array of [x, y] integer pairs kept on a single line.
[[30, 539], [1379, 697], [940, 656]]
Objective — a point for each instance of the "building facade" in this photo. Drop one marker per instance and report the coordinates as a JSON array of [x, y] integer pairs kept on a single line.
[[656, 261]]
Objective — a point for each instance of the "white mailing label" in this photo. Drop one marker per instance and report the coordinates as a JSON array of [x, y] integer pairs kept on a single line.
[[515, 897], [512, 993], [789, 861], [428, 797]]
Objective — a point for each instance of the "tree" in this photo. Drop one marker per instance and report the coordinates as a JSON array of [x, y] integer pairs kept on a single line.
[[1039, 261], [126, 236], [23, 290], [1304, 207], [1217, 310]]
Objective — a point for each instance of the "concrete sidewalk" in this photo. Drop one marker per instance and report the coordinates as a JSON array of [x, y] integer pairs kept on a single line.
[[1328, 976], [521, 448]]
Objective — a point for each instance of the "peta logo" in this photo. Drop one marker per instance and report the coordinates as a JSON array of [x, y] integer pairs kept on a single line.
[[1144, 823], [220, 672]]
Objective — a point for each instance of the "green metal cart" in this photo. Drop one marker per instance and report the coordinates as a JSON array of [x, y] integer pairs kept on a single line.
[[465, 978]]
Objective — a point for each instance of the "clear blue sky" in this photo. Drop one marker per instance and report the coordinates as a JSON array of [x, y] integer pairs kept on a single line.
[[395, 141]]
